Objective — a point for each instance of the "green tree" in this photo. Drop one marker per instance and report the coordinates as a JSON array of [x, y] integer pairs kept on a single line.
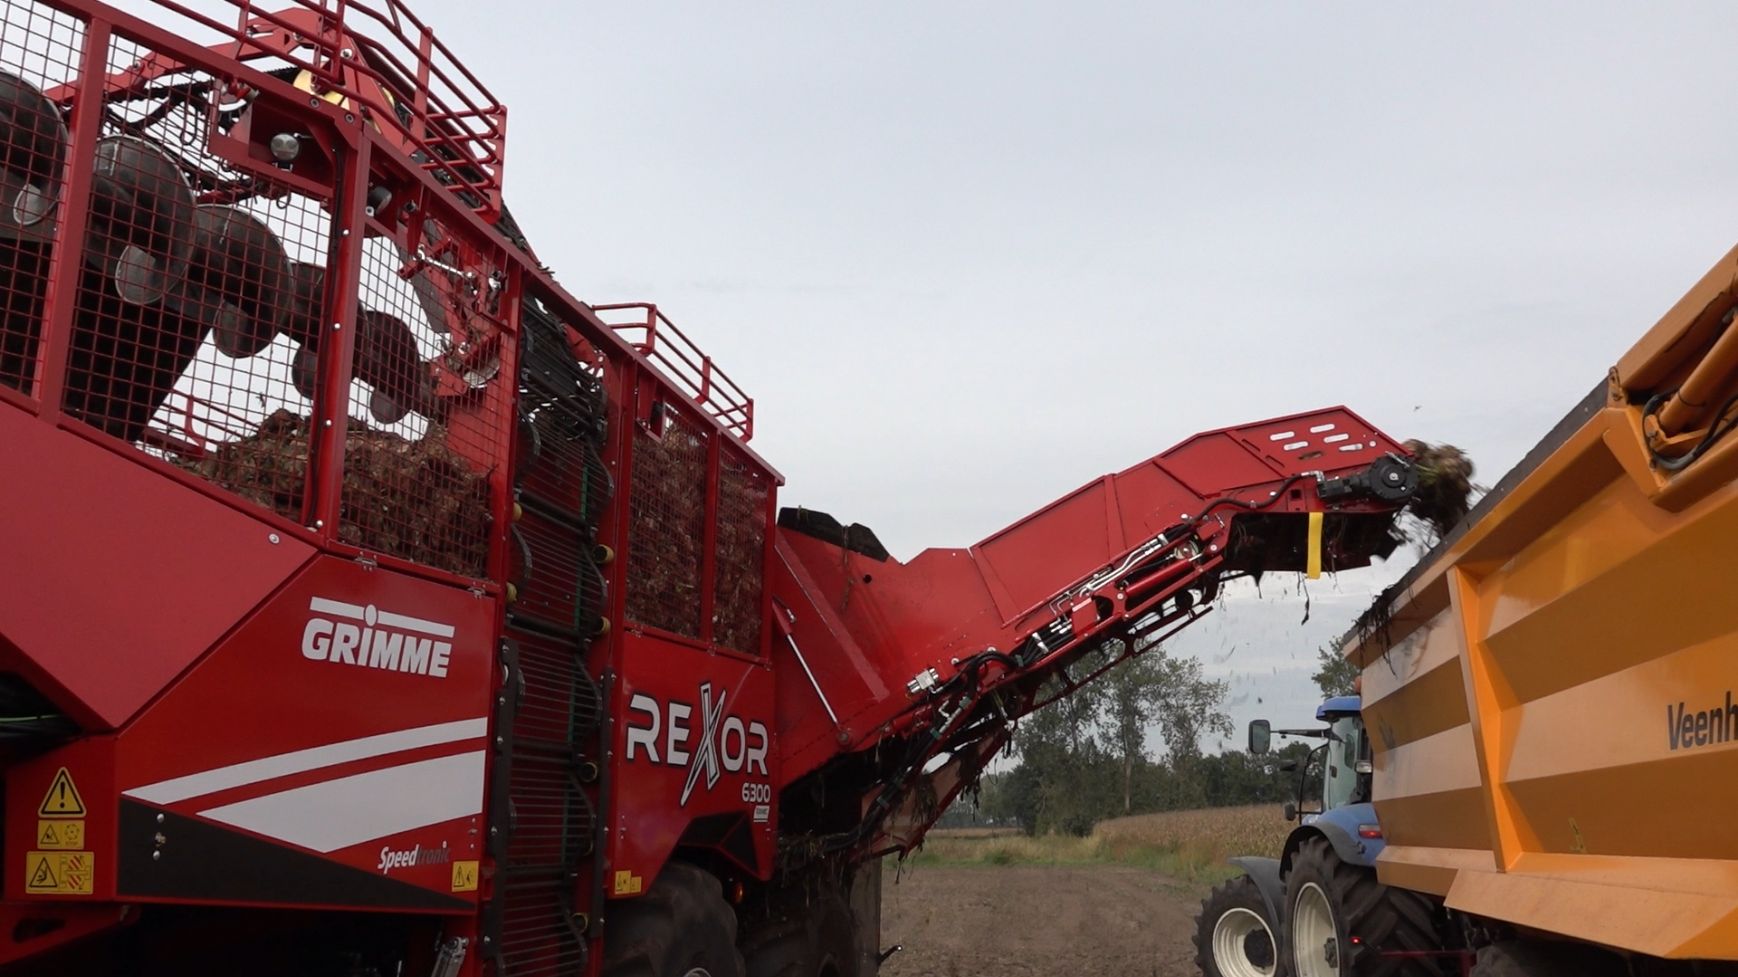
[[1085, 757], [1061, 783], [1188, 707], [1188, 710], [1133, 693], [1335, 672]]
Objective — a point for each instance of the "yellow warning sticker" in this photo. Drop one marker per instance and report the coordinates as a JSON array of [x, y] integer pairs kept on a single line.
[[62, 800], [62, 873], [465, 876], [60, 835], [628, 884]]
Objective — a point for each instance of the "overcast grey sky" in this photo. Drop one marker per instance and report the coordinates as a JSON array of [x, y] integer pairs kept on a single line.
[[968, 256]]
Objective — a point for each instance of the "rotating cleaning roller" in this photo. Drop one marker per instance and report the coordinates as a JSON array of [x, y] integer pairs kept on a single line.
[[388, 360], [141, 220], [33, 148], [387, 356], [33, 153], [240, 280]]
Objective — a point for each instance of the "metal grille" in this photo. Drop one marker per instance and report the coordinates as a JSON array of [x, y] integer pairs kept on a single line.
[[191, 306], [561, 425], [140, 320], [538, 936], [668, 522], [552, 754], [553, 823], [39, 51], [201, 328], [423, 428], [740, 563], [561, 467], [557, 582], [560, 702]]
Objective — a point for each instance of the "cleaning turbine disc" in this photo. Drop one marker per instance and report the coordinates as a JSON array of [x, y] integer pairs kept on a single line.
[[141, 221], [246, 277], [388, 360], [33, 147], [308, 295], [304, 371]]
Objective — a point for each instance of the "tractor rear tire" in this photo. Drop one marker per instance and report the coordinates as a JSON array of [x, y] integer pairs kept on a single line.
[[681, 927], [1329, 902], [1527, 958], [1233, 936], [817, 938]]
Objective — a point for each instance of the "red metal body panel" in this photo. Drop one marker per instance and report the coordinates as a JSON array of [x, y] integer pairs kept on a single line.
[[263, 684], [289, 749], [686, 717], [120, 578]]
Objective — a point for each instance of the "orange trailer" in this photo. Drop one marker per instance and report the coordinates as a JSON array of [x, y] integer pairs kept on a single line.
[[1552, 693]]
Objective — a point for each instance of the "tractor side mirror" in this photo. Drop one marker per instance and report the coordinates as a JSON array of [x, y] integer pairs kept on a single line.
[[1260, 736], [1290, 811]]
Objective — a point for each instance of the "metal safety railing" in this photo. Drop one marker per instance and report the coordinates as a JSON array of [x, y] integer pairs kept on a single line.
[[656, 338], [376, 59]]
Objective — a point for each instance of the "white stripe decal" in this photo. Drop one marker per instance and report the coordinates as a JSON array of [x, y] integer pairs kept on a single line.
[[435, 628], [324, 606], [339, 813], [301, 761], [356, 612]]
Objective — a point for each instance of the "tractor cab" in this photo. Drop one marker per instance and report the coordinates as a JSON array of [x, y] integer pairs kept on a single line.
[[1345, 766], [1336, 774]]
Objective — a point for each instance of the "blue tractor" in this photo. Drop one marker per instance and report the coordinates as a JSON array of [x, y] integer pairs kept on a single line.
[[1318, 910]]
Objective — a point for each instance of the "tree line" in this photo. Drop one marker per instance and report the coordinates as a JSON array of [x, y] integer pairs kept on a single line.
[[1086, 757]]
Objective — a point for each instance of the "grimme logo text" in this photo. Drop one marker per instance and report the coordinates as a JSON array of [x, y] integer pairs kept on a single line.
[[1716, 725], [367, 637]]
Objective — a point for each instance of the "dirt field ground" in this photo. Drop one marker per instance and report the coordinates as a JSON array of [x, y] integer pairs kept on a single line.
[[1038, 921]]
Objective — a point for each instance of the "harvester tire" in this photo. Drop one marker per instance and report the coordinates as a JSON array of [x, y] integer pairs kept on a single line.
[[816, 939], [1233, 936], [1523, 958], [682, 926], [1328, 902]]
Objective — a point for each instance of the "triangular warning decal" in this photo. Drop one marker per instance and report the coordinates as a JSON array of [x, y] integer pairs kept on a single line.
[[42, 877], [62, 800], [49, 836]]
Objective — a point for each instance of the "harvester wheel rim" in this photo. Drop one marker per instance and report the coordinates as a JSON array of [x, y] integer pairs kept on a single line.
[[1232, 934], [1314, 942]]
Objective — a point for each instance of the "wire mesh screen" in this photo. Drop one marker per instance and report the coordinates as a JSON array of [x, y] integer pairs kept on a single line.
[[740, 561], [200, 288], [201, 326], [562, 423], [539, 936], [560, 703], [39, 51], [558, 584], [554, 824], [418, 453], [667, 515]]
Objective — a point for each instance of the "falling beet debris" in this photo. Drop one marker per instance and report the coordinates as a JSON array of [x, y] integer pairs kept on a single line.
[[1445, 487]]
